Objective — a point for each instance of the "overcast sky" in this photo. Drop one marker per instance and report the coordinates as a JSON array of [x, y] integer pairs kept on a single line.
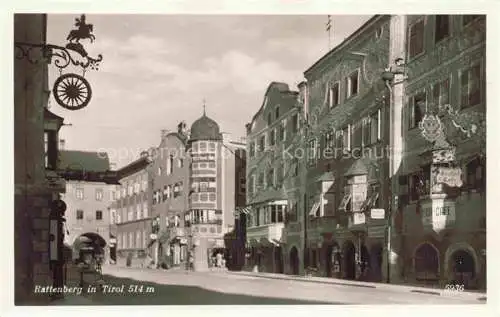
[[157, 69]]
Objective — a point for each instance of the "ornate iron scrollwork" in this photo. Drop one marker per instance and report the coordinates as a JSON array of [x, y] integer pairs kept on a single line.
[[71, 91]]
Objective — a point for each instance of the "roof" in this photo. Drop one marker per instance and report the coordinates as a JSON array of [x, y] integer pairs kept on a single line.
[[283, 88], [51, 116], [325, 177], [337, 48], [133, 167], [205, 129], [357, 168], [81, 160]]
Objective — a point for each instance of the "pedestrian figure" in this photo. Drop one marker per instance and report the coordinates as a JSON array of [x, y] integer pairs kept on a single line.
[[219, 259], [191, 261]]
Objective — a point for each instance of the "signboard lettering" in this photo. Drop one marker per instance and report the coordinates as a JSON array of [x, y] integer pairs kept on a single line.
[[438, 213], [450, 176], [377, 213]]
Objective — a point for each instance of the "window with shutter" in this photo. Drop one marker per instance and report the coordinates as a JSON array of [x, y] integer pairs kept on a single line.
[[416, 40]]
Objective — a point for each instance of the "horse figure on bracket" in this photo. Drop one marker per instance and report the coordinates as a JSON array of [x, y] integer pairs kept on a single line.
[[84, 31]]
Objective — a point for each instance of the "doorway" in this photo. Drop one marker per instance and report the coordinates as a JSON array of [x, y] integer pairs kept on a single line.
[[376, 263], [349, 261], [463, 268], [294, 261], [278, 260]]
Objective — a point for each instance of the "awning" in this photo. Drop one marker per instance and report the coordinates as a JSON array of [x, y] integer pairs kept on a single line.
[[314, 209], [345, 201], [369, 201], [242, 210]]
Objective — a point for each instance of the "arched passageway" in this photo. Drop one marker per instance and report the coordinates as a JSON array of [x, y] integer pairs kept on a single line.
[[376, 259], [426, 262]]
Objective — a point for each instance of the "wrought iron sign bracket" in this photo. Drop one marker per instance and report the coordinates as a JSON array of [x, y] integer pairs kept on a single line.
[[71, 91]]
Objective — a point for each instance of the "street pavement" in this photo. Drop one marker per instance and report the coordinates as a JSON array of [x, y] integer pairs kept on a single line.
[[180, 287]]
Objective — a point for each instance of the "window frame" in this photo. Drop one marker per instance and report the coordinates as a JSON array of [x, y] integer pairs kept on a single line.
[[335, 86], [412, 124], [477, 63], [422, 20], [79, 214], [349, 86], [450, 27], [98, 212]]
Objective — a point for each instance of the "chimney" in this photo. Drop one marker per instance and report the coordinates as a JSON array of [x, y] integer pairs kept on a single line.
[[62, 143]]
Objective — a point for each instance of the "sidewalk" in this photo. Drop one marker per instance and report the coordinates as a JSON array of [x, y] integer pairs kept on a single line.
[[480, 296]]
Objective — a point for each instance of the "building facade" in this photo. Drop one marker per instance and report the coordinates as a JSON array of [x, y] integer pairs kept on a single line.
[[87, 202], [133, 212], [442, 187], [170, 168], [36, 183], [211, 188], [346, 173], [272, 179]]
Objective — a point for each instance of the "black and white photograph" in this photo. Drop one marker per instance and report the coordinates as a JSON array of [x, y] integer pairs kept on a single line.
[[327, 158]]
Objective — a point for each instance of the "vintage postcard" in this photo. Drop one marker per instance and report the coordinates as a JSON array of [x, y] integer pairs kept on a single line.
[[249, 159]]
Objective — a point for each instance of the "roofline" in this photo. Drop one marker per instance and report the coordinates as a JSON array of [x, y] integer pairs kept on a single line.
[[345, 42], [265, 94], [133, 167]]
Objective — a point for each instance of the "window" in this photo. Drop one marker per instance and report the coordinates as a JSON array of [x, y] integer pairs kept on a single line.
[[272, 137], [357, 135], [251, 151], [98, 215], [262, 143], [334, 95], [416, 41], [112, 216], [476, 176], [180, 162], [211, 147], [372, 130], [312, 151], [99, 194], [415, 186], [353, 84], [277, 112], [295, 167], [269, 119], [251, 184], [295, 123], [159, 171], [46, 148], [282, 131], [138, 211], [417, 109], [170, 169], [471, 86], [292, 214], [203, 146], [468, 18], [441, 92], [79, 214], [145, 209], [329, 140], [138, 239], [270, 177], [260, 181], [442, 27], [79, 193], [346, 138]]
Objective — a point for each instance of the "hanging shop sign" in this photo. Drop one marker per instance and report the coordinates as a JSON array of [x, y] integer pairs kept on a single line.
[[451, 176], [359, 192], [358, 218], [71, 91], [438, 214], [377, 213], [431, 128]]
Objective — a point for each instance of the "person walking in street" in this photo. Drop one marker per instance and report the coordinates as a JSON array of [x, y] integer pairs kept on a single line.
[[218, 259]]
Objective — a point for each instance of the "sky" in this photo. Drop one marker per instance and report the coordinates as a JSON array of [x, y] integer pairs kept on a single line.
[[158, 69]]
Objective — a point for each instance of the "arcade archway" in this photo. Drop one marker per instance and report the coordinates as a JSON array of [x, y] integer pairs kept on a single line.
[[463, 268], [426, 262]]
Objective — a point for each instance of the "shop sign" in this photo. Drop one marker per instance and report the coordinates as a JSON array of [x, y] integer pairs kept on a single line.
[[358, 196], [376, 232], [112, 240], [438, 213], [451, 176], [153, 236], [358, 218], [377, 213]]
